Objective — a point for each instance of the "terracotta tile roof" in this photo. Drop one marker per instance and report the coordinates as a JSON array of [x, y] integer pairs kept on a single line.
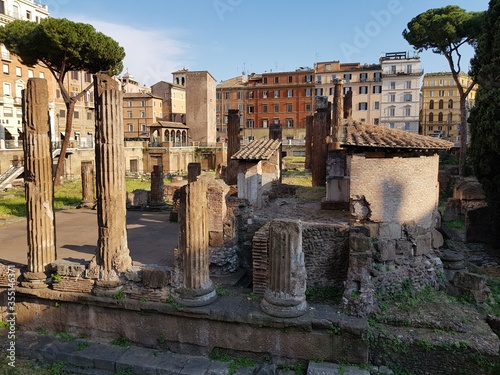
[[169, 124], [261, 149], [355, 134]]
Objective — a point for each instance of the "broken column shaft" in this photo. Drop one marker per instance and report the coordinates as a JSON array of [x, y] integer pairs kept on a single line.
[[112, 248], [157, 187], [321, 130], [88, 190], [39, 186], [233, 145]]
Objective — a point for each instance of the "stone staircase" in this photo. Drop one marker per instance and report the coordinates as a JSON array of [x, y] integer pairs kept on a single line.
[[10, 175]]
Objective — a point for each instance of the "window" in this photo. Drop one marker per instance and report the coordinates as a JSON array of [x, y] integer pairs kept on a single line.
[[290, 93], [276, 79], [450, 104], [28, 15], [450, 118], [88, 77], [331, 91], [376, 105], [392, 111], [441, 82], [308, 107], [129, 114], [276, 93], [30, 73], [377, 89], [265, 123], [143, 114], [5, 69], [318, 79], [377, 76], [391, 125], [407, 126], [452, 82], [264, 94], [143, 103], [130, 127], [392, 85], [347, 77], [265, 80], [363, 77], [250, 123], [7, 89], [376, 121], [19, 71], [441, 104], [363, 106], [441, 92], [289, 107], [431, 117], [62, 113], [408, 85], [432, 83], [346, 89], [431, 104], [217, 96], [289, 123], [409, 68], [334, 76], [227, 95], [308, 78], [451, 93], [240, 95], [41, 74], [363, 89], [431, 94], [240, 107], [407, 111], [431, 128], [250, 109], [89, 115], [76, 114], [276, 108], [264, 108], [143, 127], [328, 67], [74, 74], [226, 107], [290, 79], [440, 117], [15, 11], [308, 92], [393, 69], [407, 97], [319, 92], [392, 98]]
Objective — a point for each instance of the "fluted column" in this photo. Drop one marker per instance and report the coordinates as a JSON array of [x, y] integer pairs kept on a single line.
[[197, 289], [112, 246], [285, 296], [39, 186], [88, 189]]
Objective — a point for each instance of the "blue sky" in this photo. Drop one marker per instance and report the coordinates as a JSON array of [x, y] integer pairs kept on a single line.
[[226, 37]]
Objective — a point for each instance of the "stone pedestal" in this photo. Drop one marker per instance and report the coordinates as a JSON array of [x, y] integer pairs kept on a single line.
[[285, 296], [157, 188], [112, 255], [196, 288], [39, 187], [194, 170], [88, 190]]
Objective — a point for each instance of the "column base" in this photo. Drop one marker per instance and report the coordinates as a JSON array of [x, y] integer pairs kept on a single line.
[[34, 280], [105, 288], [90, 205], [195, 297], [283, 307]]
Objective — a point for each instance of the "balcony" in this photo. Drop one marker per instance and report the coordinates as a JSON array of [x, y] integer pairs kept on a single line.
[[403, 73]]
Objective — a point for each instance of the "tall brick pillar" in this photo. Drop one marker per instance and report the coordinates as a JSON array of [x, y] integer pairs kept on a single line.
[[321, 129], [39, 186], [233, 145], [112, 255], [309, 137], [196, 288], [285, 296], [157, 187], [276, 133], [88, 190], [338, 114]]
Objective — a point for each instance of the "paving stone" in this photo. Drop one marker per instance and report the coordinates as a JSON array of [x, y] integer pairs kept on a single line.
[[139, 361], [334, 369], [218, 368], [103, 356], [171, 364], [196, 366]]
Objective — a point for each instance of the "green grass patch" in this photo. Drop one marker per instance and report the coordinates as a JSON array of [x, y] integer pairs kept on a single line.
[[458, 225], [324, 295], [122, 342]]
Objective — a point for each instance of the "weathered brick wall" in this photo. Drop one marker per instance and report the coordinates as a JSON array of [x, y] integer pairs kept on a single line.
[[399, 190]]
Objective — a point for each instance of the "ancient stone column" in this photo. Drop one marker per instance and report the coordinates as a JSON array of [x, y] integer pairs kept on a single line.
[[348, 105], [112, 247], [285, 296], [196, 288], [194, 170], [321, 129], [88, 190], [276, 133], [157, 187], [309, 137], [39, 186], [233, 145], [338, 114]]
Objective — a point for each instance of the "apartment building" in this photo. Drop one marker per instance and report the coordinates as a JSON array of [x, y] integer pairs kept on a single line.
[[280, 97], [401, 75], [365, 82], [140, 111], [174, 100], [14, 74], [440, 116]]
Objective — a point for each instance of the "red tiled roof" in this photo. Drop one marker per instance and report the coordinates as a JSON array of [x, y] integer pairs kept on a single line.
[[261, 149]]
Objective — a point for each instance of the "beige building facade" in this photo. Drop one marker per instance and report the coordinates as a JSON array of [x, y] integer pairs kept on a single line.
[[140, 111], [440, 116]]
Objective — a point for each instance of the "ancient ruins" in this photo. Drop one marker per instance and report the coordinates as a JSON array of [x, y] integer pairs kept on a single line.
[[374, 230]]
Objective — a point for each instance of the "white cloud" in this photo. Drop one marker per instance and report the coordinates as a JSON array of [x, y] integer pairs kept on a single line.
[[151, 55]]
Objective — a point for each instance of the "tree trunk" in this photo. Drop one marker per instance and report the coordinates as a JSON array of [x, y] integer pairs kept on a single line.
[[70, 109], [463, 136]]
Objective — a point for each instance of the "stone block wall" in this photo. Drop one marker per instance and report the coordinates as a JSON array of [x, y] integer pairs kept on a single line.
[[395, 190]]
